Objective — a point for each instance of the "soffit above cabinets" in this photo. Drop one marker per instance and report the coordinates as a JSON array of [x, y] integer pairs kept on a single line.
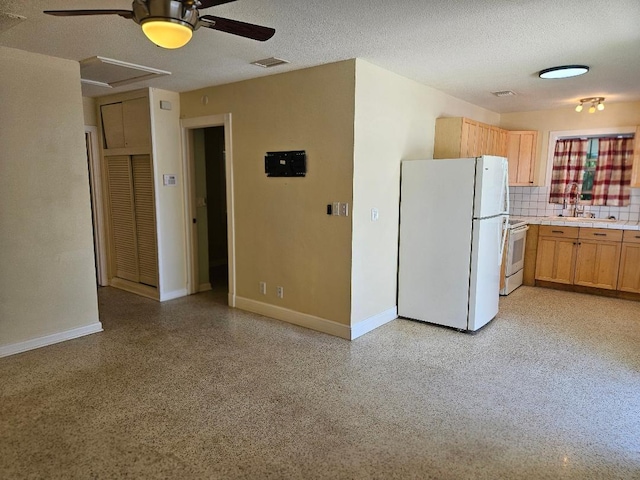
[[109, 73]]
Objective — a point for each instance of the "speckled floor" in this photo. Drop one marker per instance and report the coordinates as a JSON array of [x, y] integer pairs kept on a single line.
[[192, 389]]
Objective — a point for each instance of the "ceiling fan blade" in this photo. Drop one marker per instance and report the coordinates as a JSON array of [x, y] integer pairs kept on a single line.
[[212, 3], [248, 30], [75, 13]]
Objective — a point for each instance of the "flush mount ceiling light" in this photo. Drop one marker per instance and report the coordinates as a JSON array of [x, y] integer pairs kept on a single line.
[[564, 71], [597, 103]]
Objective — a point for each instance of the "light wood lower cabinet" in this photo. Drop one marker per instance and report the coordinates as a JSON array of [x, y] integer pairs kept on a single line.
[[597, 264], [629, 274], [556, 257], [588, 257]]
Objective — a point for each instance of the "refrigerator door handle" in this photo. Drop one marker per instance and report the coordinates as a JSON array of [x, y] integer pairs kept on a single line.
[[503, 241], [505, 187]]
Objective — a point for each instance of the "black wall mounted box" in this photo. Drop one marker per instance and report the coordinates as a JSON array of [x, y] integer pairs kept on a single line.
[[286, 164]]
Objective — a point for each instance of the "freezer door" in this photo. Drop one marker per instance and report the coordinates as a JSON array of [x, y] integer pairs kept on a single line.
[[491, 193], [484, 287]]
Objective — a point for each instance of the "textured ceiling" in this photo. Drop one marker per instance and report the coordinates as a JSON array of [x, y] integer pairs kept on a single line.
[[466, 48]]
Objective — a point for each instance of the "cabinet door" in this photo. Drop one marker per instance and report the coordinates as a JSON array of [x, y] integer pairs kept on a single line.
[[468, 140], [137, 122], [494, 141], [127, 124], [556, 259], [629, 275], [521, 153], [112, 126], [485, 139], [124, 251], [145, 216], [597, 264]]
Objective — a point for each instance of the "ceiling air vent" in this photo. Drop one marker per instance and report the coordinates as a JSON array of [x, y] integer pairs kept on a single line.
[[504, 93], [269, 62]]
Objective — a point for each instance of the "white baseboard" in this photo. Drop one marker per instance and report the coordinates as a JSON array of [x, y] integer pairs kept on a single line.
[[371, 323], [20, 347], [173, 295], [204, 287], [297, 318]]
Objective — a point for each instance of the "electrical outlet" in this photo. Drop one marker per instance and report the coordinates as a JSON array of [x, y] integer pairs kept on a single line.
[[336, 208], [344, 209], [263, 288], [280, 292]]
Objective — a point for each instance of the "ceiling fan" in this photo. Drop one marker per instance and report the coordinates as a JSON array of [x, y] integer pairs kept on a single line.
[[170, 23]]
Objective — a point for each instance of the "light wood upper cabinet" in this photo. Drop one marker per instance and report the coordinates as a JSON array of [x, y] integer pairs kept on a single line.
[[635, 173], [521, 154], [466, 145], [629, 272], [459, 137], [126, 124]]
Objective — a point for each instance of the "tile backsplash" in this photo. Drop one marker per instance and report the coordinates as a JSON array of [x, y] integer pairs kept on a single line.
[[534, 202]]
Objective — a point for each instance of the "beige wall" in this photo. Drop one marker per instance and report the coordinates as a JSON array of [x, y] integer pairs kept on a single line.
[[283, 234], [561, 119], [89, 110], [47, 273], [394, 120]]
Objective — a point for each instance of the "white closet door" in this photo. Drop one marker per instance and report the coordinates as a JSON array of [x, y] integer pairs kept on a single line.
[[145, 219], [123, 221]]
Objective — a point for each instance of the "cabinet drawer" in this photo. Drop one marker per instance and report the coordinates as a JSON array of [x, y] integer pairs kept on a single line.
[[631, 236], [558, 231], [601, 234]]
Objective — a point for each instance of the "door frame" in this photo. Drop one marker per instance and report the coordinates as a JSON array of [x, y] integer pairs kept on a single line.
[[187, 125], [97, 205]]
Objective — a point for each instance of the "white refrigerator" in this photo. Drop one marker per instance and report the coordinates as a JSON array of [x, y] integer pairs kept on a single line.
[[453, 220]]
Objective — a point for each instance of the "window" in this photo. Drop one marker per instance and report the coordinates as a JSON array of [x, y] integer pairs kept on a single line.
[[589, 169], [594, 169]]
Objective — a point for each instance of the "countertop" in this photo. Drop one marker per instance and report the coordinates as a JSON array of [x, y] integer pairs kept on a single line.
[[580, 222]]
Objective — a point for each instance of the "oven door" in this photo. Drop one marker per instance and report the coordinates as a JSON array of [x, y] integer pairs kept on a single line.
[[515, 254]]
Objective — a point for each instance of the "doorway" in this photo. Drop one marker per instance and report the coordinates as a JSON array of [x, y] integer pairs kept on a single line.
[[211, 208], [208, 171]]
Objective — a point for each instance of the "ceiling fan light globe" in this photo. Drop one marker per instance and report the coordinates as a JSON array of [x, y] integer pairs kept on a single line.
[[579, 108], [600, 106], [167, 34]]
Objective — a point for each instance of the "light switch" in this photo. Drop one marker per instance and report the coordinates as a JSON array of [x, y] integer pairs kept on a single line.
[[374, 214]]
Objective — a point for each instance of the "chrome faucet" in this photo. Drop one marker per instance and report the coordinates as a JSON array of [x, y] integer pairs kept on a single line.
[[575, 194]]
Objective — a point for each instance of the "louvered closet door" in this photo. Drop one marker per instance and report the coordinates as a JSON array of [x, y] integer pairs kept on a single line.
[[145, 219], [123, 219]]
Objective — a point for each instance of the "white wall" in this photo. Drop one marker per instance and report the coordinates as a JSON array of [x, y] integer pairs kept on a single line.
[[394, 120], [170, 220], [47, 272]]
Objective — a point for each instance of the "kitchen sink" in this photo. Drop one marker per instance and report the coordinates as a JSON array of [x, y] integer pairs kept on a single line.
[[583, 219]]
